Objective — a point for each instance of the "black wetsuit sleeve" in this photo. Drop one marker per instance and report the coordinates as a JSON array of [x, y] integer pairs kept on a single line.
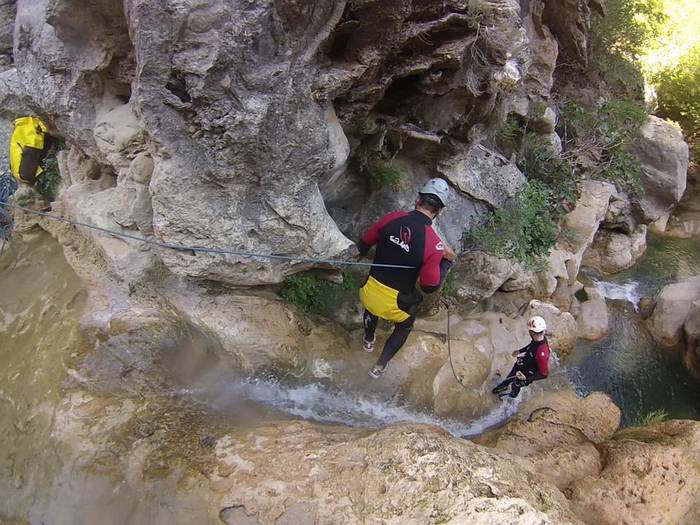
[[445, 266], [363, 247], [523, 349]]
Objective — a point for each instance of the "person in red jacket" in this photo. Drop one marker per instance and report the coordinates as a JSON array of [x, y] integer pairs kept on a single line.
[[406, 239], [533, 361]]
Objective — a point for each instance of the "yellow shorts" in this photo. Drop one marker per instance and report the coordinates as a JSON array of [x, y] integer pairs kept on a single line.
[[381, 300]]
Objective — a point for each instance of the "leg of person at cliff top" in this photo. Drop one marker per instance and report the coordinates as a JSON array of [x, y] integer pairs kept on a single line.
[[369, 322], [393, 344], [501, 387]]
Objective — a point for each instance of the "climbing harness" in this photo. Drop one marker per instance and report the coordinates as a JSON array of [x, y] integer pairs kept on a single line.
[[200, 249]]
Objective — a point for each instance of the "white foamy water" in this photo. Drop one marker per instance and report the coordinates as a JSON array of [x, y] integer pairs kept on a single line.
[[317, 402], [627, 290]]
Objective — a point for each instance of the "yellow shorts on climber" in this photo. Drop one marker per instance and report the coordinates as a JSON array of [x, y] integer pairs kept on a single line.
[[382, 300]]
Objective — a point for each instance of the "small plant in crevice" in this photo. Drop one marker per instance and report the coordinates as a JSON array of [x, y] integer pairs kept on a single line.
[[510, 129], [385, 176], [313, 295], [50, 180], [448, 287], [650, 418]]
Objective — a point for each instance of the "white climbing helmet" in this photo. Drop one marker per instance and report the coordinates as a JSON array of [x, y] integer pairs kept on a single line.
[[437, 187], [536, 324]]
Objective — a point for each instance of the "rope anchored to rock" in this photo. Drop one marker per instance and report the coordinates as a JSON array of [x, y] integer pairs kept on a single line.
[[7, 231], [195, 249]]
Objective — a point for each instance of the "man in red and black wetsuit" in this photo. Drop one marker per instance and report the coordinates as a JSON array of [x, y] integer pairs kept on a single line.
[[406, 239], [532, 363]]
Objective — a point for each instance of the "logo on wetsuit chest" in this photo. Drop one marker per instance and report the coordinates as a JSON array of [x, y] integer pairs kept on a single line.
[[403, 239]]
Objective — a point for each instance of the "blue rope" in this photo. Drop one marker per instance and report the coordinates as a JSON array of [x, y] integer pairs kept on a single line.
[[200, 249]]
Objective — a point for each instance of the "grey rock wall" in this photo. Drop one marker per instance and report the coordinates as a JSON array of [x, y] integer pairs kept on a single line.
[[258, 126]]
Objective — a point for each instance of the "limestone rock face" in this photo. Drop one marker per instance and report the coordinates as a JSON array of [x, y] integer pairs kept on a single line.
[[691, 329], [570, 22], [613, 251], [466, 171], [581, 224], [8, 11], [558, 435], [673, 305], [321, 100], [591, 315], [620, 215], [241, 154], [544, 50], [477, 275], [650, 476], [401, 474], [685, 219], [664, 157], [236, 160]]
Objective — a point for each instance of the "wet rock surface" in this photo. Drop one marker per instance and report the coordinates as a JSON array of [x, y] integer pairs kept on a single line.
[[162, 387], [650, 475]]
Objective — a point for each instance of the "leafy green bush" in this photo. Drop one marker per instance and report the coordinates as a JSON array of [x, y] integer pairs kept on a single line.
[[538, 162], [608, 124], [316, 296], [527, 228], [628, 26], [619, 38], [678, 96], [581, 295], [606, 131], [524, 231], [385, 176], [624, 170]]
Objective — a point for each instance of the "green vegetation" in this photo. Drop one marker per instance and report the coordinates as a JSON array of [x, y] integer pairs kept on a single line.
[[618, 40], [509, 130], [49, 181], [448, 287], [627, 44], [524, 231], [385, 176], [539, 162], [655, 416], [527, 228], [678, 96], [605, 133], [656, 40], [316, 296]]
